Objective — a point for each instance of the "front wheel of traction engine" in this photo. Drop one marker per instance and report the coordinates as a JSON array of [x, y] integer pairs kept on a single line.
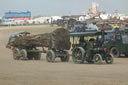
[[97, 59], [78, 55], [50, 56], [109, 59]]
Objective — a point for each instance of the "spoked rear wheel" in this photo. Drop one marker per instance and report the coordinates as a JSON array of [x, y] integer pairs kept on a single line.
[[78, 55]]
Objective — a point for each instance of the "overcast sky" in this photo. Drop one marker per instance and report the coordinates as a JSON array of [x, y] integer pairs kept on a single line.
[[61, 7]]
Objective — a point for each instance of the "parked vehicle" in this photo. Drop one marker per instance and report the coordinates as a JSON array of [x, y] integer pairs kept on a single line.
[[118, 44]]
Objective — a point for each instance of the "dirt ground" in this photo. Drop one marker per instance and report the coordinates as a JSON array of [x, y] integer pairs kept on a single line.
[[14, 72]]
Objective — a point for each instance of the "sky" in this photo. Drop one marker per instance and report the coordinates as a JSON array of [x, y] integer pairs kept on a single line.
[[61, 7]]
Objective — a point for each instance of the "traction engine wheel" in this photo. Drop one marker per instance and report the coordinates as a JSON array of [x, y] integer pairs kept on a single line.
[[109, 59], [78, 55], [97, 59]]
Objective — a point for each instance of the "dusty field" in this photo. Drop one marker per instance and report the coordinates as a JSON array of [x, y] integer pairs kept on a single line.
[[41, 72]]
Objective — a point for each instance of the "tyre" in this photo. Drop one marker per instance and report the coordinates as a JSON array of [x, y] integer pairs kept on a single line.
[[114, 52], [97, 59], [65, 58], [24, 54], [16, 53], [50, 56], [109, 59], [78, 55]]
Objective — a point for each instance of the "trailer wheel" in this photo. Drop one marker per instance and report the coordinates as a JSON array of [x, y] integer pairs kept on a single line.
[[50, 56], [24, 54], [78, 54], [97, 59], [65, 58], [16, 52], [109, 59], [114, 52]]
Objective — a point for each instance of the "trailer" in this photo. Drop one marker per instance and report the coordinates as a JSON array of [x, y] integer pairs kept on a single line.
[[25, 46]]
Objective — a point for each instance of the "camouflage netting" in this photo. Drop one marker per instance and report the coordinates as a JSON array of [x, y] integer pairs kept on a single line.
[[58, 39]]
